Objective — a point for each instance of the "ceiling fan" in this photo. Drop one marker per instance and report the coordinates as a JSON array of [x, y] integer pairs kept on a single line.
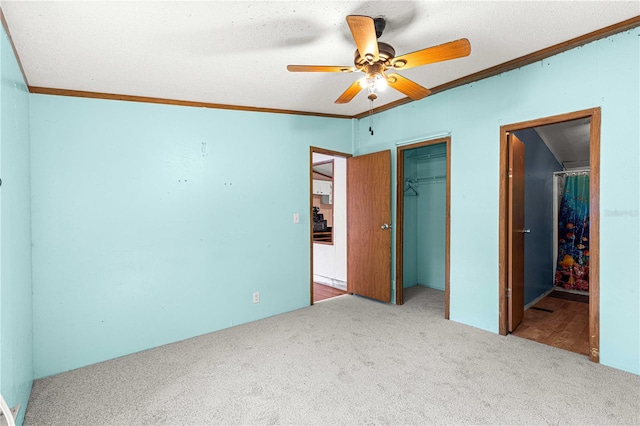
[[375, 58]]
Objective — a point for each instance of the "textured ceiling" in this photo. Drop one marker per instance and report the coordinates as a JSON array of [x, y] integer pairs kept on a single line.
[[325, 169], [568, 141], [236, 53]]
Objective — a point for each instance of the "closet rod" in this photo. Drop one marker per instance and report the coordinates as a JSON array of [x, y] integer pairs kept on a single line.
[[573, 172], [442, 155], [427, 178]]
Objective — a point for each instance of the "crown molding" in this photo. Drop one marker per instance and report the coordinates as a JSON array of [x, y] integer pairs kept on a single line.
[[489, 72], [521, 61], [146, 99]]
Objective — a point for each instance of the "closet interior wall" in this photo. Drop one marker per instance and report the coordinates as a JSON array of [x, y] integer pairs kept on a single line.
[[425, 216]]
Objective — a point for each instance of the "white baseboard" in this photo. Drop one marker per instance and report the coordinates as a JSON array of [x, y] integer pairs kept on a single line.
[[331, 282], [537, 299], [566, 290]]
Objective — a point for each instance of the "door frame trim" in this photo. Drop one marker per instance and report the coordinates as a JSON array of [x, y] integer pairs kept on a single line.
[[594, 114], [312, 150], [400, 217]]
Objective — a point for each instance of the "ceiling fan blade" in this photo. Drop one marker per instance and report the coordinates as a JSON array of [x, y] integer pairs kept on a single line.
[[319, 68], [363, 30], [408, 87], [443, 52], [349, 93]]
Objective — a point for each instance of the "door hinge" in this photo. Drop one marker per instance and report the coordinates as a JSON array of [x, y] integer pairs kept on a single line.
[[508, 293]]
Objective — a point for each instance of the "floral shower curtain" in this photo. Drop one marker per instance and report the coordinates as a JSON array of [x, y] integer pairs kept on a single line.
[[573, 235]]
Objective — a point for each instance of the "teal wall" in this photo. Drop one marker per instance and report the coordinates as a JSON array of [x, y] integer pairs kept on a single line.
[[156, 223], [425, 218], [432, 210], [16, 331], [539, 251], [410, 228], [602, 74]]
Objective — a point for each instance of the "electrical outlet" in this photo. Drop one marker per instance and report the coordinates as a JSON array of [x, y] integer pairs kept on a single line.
[[256, 297], [296, 218]]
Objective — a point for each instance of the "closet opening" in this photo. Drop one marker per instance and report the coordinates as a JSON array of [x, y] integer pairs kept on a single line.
[[549, 221], [422, 217]]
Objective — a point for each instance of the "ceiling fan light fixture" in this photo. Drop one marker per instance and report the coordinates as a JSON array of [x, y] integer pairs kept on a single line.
[[381, 83], [373, 82]]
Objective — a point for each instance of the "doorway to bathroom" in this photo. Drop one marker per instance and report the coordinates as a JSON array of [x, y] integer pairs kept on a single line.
[[549, 231]]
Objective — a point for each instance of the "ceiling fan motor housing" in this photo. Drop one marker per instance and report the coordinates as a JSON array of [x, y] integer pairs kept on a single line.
[[385, 54]]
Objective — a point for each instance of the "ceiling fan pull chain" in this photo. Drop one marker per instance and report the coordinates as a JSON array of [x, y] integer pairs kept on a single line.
[[371, 117]]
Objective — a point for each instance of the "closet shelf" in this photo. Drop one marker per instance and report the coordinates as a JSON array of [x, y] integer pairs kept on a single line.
[[416, 181], [428, 156]]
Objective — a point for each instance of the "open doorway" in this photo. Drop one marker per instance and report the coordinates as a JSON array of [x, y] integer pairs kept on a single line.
[[328, 171], [422, 217], [549, 223]]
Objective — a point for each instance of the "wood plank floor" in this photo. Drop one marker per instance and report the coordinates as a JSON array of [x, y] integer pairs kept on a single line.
[[565, 327], [322, 292]]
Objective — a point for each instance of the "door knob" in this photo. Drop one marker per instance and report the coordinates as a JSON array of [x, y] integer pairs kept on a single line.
[[526, 231], [385, 226]]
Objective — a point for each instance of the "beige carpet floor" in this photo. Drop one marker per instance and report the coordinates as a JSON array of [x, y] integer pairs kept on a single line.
[[347, 360]]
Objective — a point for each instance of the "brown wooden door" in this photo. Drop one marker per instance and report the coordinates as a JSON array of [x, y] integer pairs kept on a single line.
[[515, 281], [368, 221]]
